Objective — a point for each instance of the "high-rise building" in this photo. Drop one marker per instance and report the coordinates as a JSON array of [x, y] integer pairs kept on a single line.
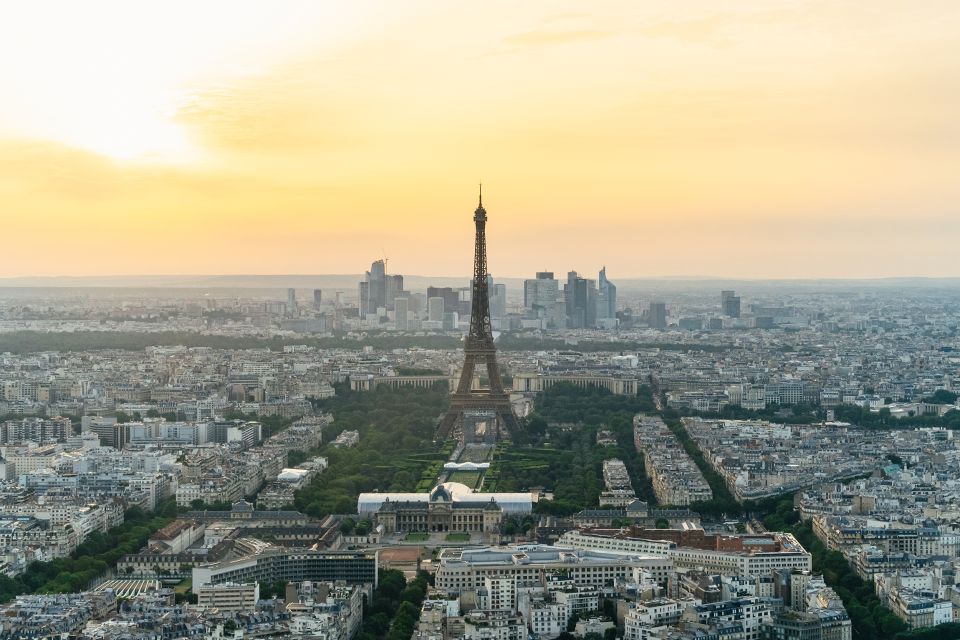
[[418, 304], [580, 296], [291, 301], [451, 297], [435, 308], [498, 301], [363, 298], [108, 431], [540, 299], [317, 298], [464, 297], [730, 304], [393, 289], [377, 287], [606, 297], [451, 320], [380, 291], [658, 315], [401, 309]]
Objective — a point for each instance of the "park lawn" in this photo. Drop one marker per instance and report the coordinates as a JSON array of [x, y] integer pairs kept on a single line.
[[417, 536], [468, 478], [458, 537]]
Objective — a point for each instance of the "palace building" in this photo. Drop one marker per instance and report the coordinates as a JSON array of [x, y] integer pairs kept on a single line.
[[449, 507]]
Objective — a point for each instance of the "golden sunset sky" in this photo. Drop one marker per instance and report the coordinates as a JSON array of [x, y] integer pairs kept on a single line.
[[757, 138]]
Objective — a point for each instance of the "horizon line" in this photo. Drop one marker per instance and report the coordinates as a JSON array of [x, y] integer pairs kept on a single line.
[[10, 280]]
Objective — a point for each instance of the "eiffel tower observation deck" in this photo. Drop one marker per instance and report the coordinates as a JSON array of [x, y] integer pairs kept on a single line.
[[488, 406]]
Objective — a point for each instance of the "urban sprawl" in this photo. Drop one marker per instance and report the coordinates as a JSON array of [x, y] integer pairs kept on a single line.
[[165, 457]]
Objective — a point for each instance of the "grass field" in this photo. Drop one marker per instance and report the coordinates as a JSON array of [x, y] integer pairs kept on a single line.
[[469, 478], [458, 537], [417, 536]]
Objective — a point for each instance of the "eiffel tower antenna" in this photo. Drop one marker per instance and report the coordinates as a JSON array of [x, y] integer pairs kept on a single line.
[[478, 352]]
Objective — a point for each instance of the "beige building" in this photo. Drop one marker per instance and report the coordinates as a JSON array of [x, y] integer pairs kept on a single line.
[[228, 596]]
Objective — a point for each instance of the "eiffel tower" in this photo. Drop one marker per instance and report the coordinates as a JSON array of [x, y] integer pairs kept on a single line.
[[478, 351]]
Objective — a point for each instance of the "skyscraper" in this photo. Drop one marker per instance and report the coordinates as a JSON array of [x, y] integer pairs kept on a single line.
[[435, 309], [401, 315], [540, 299], [377, 293], [658, 315], [498, 301], [292, 301], [317, 297], [606, 297], [381, 290], [730, 304], [363, 298], [580, 296], [393, 289]]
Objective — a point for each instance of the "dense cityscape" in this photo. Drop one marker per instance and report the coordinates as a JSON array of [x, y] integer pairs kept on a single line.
[[542, 320], [686, 464]]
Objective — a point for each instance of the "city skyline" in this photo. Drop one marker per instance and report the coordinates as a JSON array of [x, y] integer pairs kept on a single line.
[[763, 140]]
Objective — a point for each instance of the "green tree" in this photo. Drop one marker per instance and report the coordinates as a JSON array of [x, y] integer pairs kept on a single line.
[[941, 396]]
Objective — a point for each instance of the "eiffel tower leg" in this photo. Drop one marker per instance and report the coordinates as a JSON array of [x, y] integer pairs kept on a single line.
[[510, 424], [466, 375], [446, 425], [493, 372]]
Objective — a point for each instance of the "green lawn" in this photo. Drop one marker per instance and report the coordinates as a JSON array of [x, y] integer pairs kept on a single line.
[[414, 536], [469, 478], [458, 537]]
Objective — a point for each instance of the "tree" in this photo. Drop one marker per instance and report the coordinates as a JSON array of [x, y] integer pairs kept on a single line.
[[266, 591], [941, 396]]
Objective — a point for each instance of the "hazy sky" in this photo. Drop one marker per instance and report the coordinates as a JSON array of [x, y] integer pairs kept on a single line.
[[738, 138]]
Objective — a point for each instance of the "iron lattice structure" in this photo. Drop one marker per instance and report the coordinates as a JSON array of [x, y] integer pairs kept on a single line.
[[479, 351]]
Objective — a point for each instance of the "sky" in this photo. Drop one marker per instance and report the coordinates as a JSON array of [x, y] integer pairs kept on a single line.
[[746, 139]]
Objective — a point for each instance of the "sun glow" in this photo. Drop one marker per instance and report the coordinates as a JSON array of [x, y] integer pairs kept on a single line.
[[110, 77], [760, 137], [130, 125]]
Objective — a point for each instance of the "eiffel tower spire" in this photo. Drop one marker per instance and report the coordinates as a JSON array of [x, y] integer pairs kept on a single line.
[[479, 350]]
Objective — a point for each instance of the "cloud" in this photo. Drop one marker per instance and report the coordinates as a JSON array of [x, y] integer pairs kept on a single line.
[[542, 38], [279, 111], [711, 30]]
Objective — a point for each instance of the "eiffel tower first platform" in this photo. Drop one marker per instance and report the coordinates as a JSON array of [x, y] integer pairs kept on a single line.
[[492, 404]]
